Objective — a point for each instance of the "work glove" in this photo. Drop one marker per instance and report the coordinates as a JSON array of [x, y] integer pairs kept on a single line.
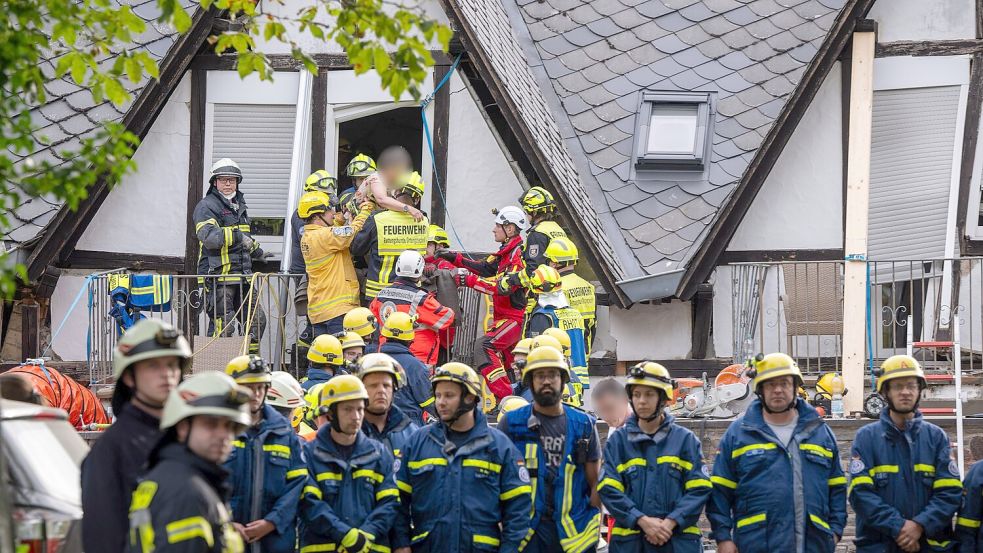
[[247, 242], [356, 541], [447, 255], [461, 277]]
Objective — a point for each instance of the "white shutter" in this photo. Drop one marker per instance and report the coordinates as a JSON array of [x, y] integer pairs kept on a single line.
[[910, 173], [259, 137]]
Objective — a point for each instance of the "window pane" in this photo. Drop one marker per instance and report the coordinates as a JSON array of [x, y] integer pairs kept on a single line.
[[673, 128]]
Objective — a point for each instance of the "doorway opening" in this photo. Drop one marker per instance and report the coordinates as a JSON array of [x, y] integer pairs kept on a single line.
[[373, 133]]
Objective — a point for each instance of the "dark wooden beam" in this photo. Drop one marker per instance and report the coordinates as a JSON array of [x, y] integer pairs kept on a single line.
[[702, 321], [63, 232], [196, 165], [441, 125], [87, 259], [846, 81], [319, 122], [30, 328], [286, 62], [771, 256], [929, 48], [971, 131]]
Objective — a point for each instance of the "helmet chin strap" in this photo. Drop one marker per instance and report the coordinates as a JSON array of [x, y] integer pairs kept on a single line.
[[462, 408], [787, 408], [333, 419], [148, 404], [655, 414], [890, 404]]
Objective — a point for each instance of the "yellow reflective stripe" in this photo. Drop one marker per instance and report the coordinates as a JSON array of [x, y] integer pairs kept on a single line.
[[532, 463], [379, 548], [636, 462], [279, 450], [487, 540], [244, 228], [291, 474], [428, 402], [420, 536], [742, 450], [188, 529], [239, 443], [321, 477], [721, 481], [439, 461], [924, 468], [611, 482], [382, 494], [482, 465], [675, 460], [618, 531], [818, 521], [319, 261], [404, 486], [817, 449], [313, 490], [698, 483], [317, 548], [515, 492], [692, 530], [198, 226], [935, 543], [584, 540], [946, 483], [858, 480], [370, 474], [333, 301], [837, 481], [887, 469], [968, 522], [751, 520]]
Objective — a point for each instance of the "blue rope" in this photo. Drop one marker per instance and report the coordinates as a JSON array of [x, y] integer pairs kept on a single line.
[[433, 159], [870, 334], [78, 298]]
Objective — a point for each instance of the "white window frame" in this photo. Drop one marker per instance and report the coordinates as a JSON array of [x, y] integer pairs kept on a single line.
[[673, 160]]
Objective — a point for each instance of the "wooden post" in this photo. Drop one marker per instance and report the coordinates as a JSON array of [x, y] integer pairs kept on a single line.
[[857, 202], [441, 122], [30, 330]]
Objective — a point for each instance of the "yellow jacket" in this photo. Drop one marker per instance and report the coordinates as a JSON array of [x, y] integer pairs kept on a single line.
[[332, 287]]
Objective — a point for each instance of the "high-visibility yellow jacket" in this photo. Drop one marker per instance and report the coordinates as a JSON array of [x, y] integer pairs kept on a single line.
[[332, 286]]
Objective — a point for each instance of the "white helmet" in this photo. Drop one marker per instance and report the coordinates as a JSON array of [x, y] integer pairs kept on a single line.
[[225, 167], [285, 391], [410, 264], [511, 215]]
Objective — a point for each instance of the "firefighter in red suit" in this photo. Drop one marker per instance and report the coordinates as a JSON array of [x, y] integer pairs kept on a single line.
[[437, 239], [508, 306], [435, 323]]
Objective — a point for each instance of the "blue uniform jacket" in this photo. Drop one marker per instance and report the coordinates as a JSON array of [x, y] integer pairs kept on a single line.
[[267, 472], [395, 433], [970, 517], [341, 495], [457, 496], [659, 476], [898, 475], [414, 395], [317, 376], [768, 497]]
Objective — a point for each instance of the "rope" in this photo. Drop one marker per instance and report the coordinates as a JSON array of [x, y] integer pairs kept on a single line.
[[234, 316]]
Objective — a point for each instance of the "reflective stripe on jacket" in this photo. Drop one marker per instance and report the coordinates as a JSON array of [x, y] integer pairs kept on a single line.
[[970, 518], [432, 319], [414, 395], [582, 296], [386, 235], [220, 228], [332, 285]]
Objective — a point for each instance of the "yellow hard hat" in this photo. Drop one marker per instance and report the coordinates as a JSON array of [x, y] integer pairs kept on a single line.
[[653, 375], [537, 199], [437, 234], [285, 391], [522, 346], [544, 279], [321, 181], [344, 387], [825, 384], [380, 363], [207, 393], [351, 340], [460, 373], [774, 365], [361, 321], [312, 397], [297, 416], [561, 336], [399, 326], [249, 369], [326, 349], [899, 366], [312, 203], [546, 357], [412, 184], [562, 250], [360, 166], [509, 404]]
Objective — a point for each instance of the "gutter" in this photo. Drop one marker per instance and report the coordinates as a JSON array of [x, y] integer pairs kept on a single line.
[[652, 287]]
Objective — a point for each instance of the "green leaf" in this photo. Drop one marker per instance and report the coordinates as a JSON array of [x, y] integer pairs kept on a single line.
[[78, 69], [381, 60]]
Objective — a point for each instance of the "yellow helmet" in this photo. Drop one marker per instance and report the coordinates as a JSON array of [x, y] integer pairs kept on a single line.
[[351, 340], [312, 203], [562, 250], [312, 398], [544, 279], [360, 166], [297, 416], [207, 393], [522, 346], [380, 363], [537, 199], [399, 326], [326, 349], [412, 184], [321, 181], [344, 387], [899, 366], [509, 404], [653, 375], [285, 391], [562, 337], [460, 373], [545, 340], [546, 357], [774, 365], [825, 384], [361, 321], [437, 234], [249, 369]]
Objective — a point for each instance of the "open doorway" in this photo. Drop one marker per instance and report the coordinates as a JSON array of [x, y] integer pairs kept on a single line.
[[373, 133]]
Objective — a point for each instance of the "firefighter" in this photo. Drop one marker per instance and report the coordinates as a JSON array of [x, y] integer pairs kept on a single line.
[[553, 311], [267, 469], [384, 421], [970, 518], [462, 483], [509, 404], [312, 420], [508, 302], [359, 168], [395, 163], [540, 206], [904, 486], [389, 233], [522, 387], [437, 239], [561, 451], [227, 250], [778, 484], [147, 365], [350, 501], [332, 287], [352, 346], [578, 372], [286, 396], [325, 360], [434, 322], [654, 481], [179, 506], [362, 321], [562, 254], [414, 398]]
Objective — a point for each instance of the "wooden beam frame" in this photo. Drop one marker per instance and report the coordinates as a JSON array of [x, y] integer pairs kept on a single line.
[[196, 165], [929, 48], [702, 321], [285, 62], [87, 259], [319, 122], [772, 256], [441, 126], [971, 131]]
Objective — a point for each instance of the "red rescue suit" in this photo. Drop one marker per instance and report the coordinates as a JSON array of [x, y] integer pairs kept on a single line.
[[435, 322]]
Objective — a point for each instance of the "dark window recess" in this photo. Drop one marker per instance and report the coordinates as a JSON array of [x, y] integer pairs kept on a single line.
[[673, 130], [266, 226]]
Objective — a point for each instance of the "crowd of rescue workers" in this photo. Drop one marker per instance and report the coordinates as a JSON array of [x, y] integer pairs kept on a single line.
[[388, 446]]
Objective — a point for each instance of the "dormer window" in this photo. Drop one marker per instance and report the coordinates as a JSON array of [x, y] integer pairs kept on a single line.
[[673, 130]]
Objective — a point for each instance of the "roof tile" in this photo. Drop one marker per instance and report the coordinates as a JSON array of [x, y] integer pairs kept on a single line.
[[600, 51], [645, 54], [690, 57], [749, 141], [598, 73], [605, 27], [741, 16], [714, 48], [627, 19], [560, 23], [670, 44], [597, 95], [650, 31], [652, 8], [574, 82], [738, 39], [648, 232], [586, 122], [611, 111], [607, 7], [575, 60], [766, 8], [672, 22], [721, 6], [668, 245], [717, 26], [697, 12], [606, 158], [628, 218], [557, 45], [574, 104], [779, 86], [643, 77], [581, 36], [624, 41], [611, 134]]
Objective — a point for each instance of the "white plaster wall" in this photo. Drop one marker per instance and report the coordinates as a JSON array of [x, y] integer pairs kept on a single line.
[[479, 176], [70, 342], [145, 213], [923, 19], [800, 204], [658, 331]]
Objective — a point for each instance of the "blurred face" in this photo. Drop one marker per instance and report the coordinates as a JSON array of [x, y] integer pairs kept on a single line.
[[547, 386], [903, 394], [431, 248], [611, 408], [519, 357], [226, 185], [646, 400], [258, 397], [380, 388], [153, 379], [447, 399], [208, 436], [350, 415], [391, 174], [352, 354], [778, 392]]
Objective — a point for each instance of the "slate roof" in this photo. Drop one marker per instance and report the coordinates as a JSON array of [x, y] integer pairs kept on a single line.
[[70, 114], [587, 62]]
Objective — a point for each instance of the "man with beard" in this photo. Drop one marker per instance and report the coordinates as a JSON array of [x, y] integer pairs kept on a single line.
[[778, 484], [147, 363], [563, 457], [904, 486], [267, 469], [463, 484]]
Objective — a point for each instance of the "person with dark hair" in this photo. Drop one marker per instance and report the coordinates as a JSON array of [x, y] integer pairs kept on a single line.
[[610, 402], [414, 395], [18, 388]]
